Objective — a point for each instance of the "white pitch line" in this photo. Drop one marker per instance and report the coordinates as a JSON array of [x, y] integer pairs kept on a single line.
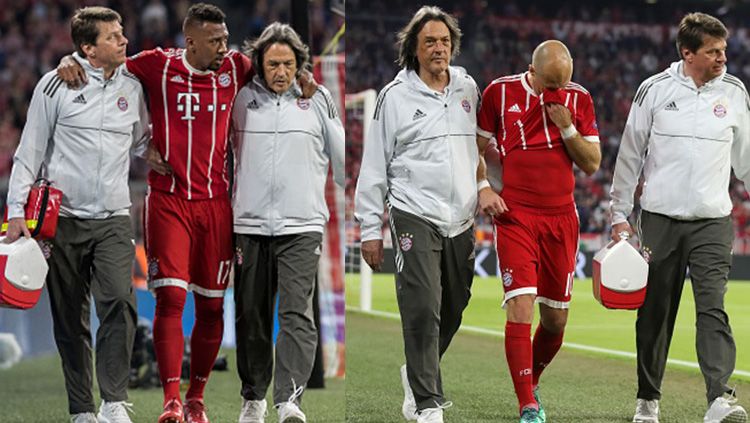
[[570, 345]]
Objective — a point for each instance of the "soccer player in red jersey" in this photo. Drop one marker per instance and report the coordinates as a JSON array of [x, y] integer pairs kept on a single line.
[[188, 216], [543, 124]]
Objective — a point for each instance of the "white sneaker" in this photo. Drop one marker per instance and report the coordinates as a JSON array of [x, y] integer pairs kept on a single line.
[[725, 410], [409, 408], [114, 412], [433, 415], [289, 412], [253, 411], [430, 415], [83, 418], [646, 411]]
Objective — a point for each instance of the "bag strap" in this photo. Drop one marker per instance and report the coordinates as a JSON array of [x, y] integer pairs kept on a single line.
[[42, 209]]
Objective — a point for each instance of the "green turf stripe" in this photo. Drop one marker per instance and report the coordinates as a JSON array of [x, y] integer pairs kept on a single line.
[[569, 345]]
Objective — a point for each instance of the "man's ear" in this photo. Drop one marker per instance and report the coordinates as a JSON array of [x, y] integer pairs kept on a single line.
[[687, 55], [89, 50]]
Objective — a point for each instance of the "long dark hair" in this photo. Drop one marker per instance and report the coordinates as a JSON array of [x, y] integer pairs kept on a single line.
[[407, 37], [276, 33]]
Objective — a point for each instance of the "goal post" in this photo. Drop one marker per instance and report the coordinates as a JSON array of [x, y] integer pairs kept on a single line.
[[359, 111]]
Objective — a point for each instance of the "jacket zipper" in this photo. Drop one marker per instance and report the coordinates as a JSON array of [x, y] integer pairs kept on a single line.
[[693, 146], [273, 207], [101, 129], [448, 144]]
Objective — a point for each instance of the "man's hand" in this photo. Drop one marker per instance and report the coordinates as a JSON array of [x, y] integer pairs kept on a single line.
[[619, 228], [71, 72], [307, 83], [490, 203], [372, 252], [156, 162], [559, 114], [16, 228]]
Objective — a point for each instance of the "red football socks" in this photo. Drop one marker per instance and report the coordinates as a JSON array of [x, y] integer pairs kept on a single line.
[[518, 354], [204, 342], [168, 339], [545, 346]]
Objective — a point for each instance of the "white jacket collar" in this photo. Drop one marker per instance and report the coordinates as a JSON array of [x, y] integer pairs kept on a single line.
[[677, 71], [96, 73], [411, 77]]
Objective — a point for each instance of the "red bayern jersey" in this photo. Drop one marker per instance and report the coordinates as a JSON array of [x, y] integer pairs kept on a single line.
[[190, 114], [537, 170]]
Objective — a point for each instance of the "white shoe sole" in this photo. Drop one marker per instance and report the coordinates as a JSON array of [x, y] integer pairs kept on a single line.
[[737, 416], [102, 419]]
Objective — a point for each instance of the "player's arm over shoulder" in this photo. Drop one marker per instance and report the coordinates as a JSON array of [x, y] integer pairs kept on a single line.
[[148, 61], [243, 64]]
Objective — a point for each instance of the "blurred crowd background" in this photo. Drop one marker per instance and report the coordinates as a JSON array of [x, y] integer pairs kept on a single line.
[[615, 45]]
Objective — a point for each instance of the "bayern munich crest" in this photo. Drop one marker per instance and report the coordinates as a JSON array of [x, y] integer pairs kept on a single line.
[[646, 253], [46, 247], [720, 111], [466, 105], [507, 277], [238, 256], [405, 241], [153, 267], [122, 103], [303, 103], [224, 79]]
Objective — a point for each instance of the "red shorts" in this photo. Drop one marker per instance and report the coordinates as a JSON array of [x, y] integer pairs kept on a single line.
[[188, 243], [537, 254]]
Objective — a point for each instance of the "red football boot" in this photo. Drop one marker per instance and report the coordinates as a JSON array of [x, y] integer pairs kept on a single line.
[[172, 412], [195, 411]]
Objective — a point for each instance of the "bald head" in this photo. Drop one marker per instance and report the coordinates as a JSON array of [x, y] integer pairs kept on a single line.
[[552, 64]]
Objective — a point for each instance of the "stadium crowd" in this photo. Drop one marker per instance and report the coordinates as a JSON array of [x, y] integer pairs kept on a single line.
[[615, 46]]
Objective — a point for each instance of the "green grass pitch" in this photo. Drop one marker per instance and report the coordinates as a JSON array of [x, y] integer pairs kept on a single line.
[[579, 386], [34, 392]]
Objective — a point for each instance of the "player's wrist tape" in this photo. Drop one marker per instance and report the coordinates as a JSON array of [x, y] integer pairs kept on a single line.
[[482, 184], [569, 132]]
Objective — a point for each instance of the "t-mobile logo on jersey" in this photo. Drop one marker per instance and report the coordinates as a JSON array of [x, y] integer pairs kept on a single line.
[[191, 104]]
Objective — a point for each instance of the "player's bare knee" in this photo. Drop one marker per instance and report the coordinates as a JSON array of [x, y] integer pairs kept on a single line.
[[520, 309]]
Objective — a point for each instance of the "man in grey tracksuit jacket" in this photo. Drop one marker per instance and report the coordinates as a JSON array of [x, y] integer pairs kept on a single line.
[[81, 140], [688, 128], [420, 159], [283, 146]]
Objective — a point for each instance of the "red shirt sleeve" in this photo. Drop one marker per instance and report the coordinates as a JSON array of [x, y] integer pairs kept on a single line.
[[487, 119], [146, 63], [245, 71], [586, 118]]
